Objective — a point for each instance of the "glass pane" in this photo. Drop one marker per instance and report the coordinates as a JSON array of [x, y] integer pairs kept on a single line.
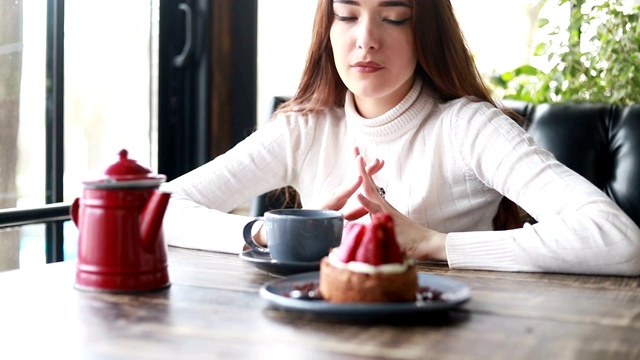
[[280, 62], [22, 99], [22, 92], [108, 86], [110, 90], [23, 247], [10, 249], [32, 238], [109, 77]]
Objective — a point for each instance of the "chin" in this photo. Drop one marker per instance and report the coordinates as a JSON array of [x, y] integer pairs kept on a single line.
[[379, 89]]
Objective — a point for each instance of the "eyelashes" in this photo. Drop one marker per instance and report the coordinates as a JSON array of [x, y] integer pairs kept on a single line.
[[397, 22], [346, 18], [388, 21]]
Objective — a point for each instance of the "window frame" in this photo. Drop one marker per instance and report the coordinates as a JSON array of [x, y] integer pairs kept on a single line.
[[215, 112]]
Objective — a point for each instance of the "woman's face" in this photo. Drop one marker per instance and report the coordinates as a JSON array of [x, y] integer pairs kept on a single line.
[[374, 51]]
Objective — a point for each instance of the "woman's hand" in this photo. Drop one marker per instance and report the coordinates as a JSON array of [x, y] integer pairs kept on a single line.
[[338, 198], [414, 239]]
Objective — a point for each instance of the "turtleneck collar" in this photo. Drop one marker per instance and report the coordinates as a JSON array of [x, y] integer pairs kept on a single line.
[[395, 122]]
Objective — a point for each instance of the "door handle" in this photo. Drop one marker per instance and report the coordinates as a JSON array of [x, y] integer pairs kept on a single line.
[[180, 59]]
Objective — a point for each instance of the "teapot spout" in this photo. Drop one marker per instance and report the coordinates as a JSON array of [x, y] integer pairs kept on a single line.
[[151, 219]]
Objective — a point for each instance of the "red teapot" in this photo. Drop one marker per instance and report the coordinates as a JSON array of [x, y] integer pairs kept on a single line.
[[119, 218]]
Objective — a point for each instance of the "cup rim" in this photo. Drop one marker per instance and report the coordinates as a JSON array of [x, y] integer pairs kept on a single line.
[[310, 213]]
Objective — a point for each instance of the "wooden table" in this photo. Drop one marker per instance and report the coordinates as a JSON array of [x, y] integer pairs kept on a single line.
[[213, 311]]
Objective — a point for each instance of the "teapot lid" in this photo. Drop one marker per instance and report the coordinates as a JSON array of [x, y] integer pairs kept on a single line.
[[126, 173]]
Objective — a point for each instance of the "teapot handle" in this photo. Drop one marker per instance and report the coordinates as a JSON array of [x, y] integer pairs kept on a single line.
[[73, 211], [151, 219]]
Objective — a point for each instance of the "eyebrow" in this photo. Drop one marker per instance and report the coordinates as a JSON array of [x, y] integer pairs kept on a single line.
[[382, 4]]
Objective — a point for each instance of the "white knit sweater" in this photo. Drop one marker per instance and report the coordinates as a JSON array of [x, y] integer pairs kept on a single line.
[[446, 167]]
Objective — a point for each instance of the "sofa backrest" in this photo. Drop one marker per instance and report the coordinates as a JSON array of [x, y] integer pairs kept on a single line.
[[599, 141]]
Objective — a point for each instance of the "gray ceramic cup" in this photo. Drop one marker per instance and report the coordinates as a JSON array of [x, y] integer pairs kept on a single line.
[[298, 235]]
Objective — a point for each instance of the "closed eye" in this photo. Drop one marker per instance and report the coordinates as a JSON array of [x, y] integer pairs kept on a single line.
[[397, 22], [346, 18]]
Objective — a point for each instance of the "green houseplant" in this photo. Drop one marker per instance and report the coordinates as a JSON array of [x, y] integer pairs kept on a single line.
[[595, 59]]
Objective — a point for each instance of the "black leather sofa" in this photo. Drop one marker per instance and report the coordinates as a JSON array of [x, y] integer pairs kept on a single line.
[[599, 141]]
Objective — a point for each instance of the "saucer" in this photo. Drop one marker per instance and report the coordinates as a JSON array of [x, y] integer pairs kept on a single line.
[[452, 293], [265, 263]]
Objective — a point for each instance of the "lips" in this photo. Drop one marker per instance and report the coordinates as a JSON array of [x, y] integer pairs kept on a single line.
[[367, 66]]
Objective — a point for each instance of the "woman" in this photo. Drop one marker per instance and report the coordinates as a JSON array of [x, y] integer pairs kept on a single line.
[[390, 99]]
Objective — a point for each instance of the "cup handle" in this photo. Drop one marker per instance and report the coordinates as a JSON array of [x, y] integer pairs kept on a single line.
[[246, 233]]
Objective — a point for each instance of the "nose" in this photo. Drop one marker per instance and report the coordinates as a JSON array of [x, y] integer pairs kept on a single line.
[[367, 35]]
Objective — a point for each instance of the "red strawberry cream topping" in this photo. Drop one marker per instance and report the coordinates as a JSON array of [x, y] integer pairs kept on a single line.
[[370, 248]]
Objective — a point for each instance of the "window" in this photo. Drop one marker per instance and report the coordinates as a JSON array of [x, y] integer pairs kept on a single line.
[[109, 76], [81, 80]]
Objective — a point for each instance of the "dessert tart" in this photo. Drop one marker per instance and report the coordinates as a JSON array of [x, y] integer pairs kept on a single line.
[[368, 266]]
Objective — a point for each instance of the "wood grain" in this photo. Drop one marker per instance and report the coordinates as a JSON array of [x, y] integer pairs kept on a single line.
[[213, 311]]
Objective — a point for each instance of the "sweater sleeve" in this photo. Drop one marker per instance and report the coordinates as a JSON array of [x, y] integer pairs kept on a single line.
[[198, 212], [579, 228]]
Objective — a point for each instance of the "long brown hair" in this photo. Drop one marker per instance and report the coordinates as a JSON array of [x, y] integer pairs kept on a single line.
[[320, 86], [445, 65]]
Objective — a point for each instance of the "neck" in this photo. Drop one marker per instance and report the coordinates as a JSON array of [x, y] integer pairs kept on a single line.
[[370, 108]]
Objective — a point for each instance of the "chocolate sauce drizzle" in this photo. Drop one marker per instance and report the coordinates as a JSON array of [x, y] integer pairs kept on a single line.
[[311, 291]]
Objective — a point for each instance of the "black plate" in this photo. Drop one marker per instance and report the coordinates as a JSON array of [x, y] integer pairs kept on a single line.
[[453, 293], [265, 263]]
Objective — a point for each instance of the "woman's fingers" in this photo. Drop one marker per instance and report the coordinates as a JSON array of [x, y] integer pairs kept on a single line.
[[370, 206], [355, 214], [374, 167], [339, 197], [368, 186]]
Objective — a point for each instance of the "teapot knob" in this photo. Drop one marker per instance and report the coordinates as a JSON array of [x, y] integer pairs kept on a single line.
[[125, 173]]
